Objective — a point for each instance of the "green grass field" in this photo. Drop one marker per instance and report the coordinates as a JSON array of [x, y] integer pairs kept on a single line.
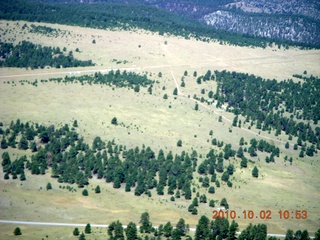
[[153, 121]]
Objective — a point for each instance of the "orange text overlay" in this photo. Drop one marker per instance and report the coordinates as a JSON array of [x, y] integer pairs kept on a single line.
[[262, 214]]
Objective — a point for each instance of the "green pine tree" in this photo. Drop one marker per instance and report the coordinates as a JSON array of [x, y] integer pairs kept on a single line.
[[17, 231], [255, 172], [87, 228], [76, 232]]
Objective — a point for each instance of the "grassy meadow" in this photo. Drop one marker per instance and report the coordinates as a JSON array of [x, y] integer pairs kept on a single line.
[[153, 121]]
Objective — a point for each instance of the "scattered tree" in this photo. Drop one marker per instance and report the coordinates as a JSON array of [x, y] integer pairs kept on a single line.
[[17, 231], [76, 232], [224, 203], [114, 121], [75, 123], [87, 228], [85, 192], [255, 172], [49, 186], [82, 236], [196, 107], [97, 189]]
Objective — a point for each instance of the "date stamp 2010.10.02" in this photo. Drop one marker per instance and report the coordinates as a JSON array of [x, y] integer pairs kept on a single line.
[[262, 214]]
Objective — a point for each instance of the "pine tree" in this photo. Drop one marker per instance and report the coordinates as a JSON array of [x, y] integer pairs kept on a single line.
[[191, 207], [76, 232], [196, 107], [225, 176], [4, 143], [12, 141], [82, 236], [131, 231], [255, 172], [49, 186], [6, 176], [145, 222], [202, 229], [137, 88], [6, 161], [181, 227], [194, 211], [224, 203], [244, 162], [118, 230], [85, 192], [195, 202], [75, 123], [117, 182], [22, 176], [33, 146], [287, 145], [240, 152], [87, 228], [235, 121], [17, 231], [211, 189], [167, 229], [97, 189], [232, 230], [114, 121]]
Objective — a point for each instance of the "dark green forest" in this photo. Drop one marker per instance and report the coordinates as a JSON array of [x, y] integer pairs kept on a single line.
[[27, 54], [127, 16], [283, 106]]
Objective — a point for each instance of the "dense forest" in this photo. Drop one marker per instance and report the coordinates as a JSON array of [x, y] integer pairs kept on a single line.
[[128, 16], [27, 54], [287, 107], [273, 26]]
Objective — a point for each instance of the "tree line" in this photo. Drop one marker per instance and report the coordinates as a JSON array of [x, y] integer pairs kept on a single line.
[[26, 54], [112, 78], [127, 16]]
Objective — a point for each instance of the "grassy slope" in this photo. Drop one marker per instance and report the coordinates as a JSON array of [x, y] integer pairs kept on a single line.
[[279, 187]]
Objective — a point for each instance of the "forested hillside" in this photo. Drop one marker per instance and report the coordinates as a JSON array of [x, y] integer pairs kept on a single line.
[[139, 15], [294, 21]]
